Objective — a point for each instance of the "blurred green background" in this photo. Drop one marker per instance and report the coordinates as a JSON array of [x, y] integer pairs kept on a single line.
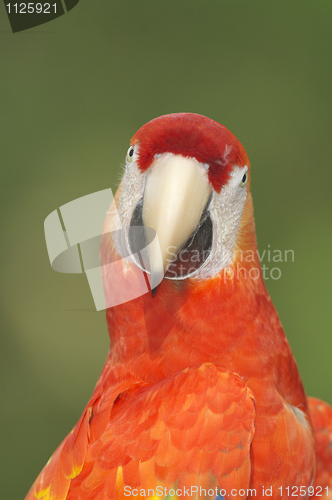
[[73, 92]]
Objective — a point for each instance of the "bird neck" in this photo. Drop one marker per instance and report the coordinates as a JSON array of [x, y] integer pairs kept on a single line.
[[211, 315], [228, 320]]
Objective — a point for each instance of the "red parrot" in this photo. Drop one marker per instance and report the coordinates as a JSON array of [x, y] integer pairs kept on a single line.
[[200, 395]]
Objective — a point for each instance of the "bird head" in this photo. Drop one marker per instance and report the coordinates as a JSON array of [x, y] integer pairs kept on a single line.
[[187, 178]]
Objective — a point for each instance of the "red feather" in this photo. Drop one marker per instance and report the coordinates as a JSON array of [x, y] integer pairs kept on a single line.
[[200, 387], [195, 136]]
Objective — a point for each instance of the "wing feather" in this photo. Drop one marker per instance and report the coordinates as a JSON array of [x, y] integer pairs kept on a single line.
[[321, 416], [193, 429]]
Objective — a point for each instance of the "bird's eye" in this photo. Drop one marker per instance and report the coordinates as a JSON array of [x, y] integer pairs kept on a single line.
[[244, 180], [130, 153]]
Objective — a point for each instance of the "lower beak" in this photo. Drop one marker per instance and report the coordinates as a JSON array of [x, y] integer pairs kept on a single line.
[[176, 192]]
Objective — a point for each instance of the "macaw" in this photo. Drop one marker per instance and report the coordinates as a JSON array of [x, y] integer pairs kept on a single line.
[[200, 395]]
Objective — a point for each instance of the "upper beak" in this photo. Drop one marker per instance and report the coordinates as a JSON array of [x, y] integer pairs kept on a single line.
[[176, 192]]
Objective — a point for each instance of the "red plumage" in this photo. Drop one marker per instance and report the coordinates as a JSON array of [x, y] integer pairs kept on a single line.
[[194, 136], [200, 387]]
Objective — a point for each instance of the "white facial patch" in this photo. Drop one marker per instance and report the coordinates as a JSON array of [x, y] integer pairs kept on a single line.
[[226, 211], [132, 189]]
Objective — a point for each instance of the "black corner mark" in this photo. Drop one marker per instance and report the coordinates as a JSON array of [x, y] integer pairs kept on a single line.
[[70, 4], [26, 15]]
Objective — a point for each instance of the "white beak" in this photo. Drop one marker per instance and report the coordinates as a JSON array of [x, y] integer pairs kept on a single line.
[[176, 192]]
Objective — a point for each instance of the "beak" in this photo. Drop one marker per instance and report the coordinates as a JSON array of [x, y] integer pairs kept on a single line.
[[176, 192]]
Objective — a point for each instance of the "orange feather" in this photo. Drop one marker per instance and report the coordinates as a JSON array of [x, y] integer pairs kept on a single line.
[[200, 388]]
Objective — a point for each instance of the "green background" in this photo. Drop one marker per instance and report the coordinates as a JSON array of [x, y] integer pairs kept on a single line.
[[73, 92]]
